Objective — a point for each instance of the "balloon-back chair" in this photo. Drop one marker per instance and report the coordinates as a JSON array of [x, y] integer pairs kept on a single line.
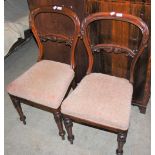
[[47, 82], [103, 100]]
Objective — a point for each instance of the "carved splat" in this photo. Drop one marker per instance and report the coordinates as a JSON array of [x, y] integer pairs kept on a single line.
[[111, 48], [57, 38]]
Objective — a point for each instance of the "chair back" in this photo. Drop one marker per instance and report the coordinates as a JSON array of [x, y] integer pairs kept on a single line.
[[112, 47], [42, 37]]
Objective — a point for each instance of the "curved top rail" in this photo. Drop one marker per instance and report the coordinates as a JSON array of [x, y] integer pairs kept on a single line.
[[120, 17]]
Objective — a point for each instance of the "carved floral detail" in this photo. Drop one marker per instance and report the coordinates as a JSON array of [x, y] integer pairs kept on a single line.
[[116, 50], [67, 42]]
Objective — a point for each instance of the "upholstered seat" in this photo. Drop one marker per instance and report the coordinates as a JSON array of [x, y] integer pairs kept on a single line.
[[101, 99], [45, 83]]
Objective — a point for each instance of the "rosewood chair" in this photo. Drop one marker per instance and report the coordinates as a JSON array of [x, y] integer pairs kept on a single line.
[[47, 82], [103, 100]]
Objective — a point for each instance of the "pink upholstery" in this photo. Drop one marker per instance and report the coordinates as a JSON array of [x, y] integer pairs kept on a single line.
[[45, 83], [101, 99]]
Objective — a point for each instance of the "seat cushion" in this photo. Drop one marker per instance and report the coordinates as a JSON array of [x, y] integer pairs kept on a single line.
[[45, 83], [102, 99]]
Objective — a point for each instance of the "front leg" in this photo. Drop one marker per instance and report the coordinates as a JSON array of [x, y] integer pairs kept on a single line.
[[68, 125], [58, 120], [121, 138], [17, 105]]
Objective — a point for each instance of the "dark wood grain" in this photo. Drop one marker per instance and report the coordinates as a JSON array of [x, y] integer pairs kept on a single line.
[[109, 64]]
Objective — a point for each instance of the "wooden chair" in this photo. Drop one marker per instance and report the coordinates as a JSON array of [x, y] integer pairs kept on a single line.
[[102, 100], [46, 83]]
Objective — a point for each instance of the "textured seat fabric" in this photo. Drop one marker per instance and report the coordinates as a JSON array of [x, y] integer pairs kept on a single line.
[[101, 99], [45, 83]]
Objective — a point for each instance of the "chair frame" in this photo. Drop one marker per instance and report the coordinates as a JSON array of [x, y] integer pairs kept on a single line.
[[109, 48], [68, 41]]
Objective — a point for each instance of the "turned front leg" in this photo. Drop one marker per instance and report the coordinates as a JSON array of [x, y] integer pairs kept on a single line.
[[68, 125], [121, 139], [17, 105], [58, 120]]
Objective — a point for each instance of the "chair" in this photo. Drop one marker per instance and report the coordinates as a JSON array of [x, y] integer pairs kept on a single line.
[[102, 100], [47, 82]]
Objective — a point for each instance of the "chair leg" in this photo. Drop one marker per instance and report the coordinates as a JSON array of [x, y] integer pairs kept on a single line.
[[68, 125], [121, 139], [74, 84], [17, 105], [58, 120], [142, 109]]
